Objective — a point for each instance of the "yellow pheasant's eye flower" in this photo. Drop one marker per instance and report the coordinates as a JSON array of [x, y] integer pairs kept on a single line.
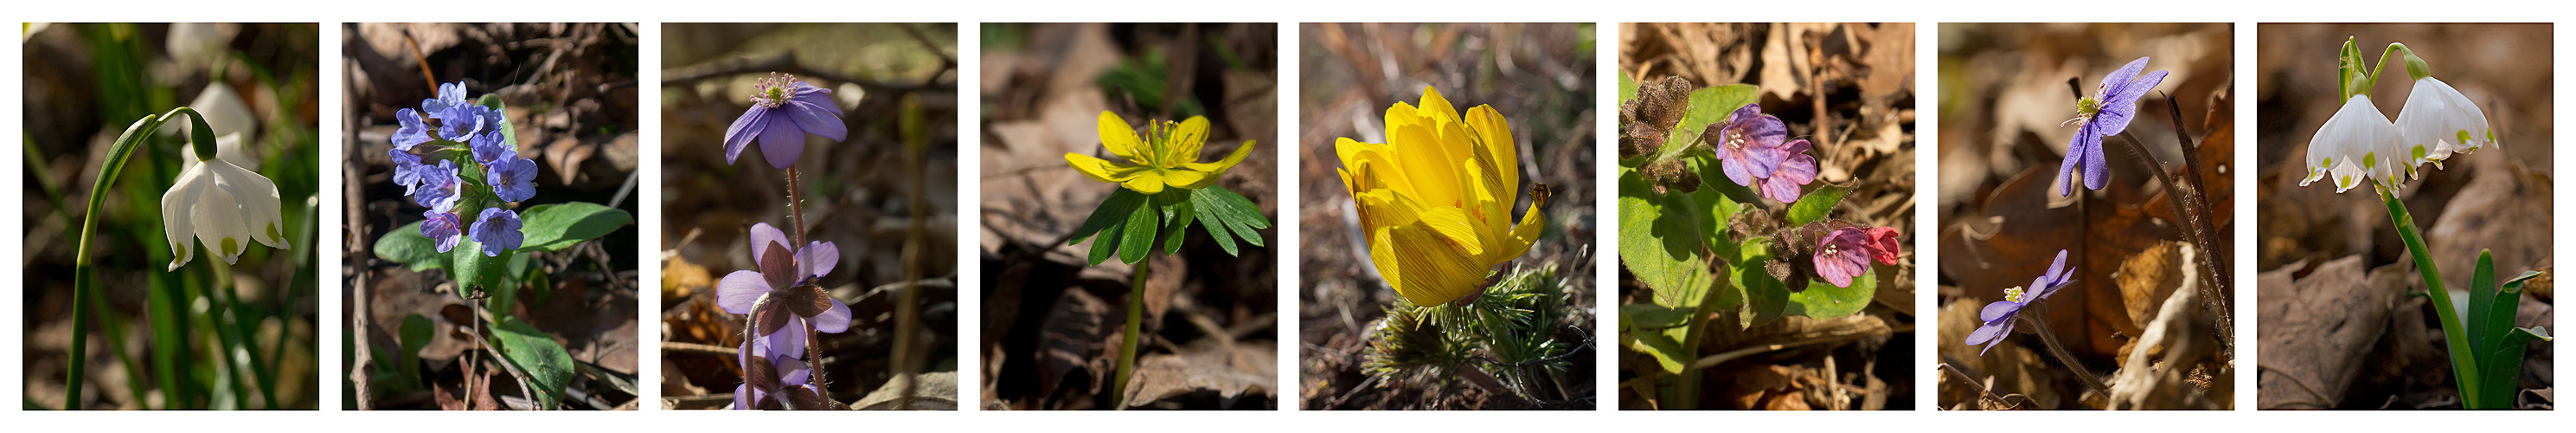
[[1166, 157], [1435, 199]]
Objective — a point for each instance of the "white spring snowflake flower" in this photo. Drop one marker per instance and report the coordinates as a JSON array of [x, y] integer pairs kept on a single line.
[[221, 204], [2357, 142], [2438, 122]]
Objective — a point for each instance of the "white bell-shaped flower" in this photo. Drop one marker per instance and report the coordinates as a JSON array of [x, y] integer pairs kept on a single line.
[[2438, 122], [2357, 142], [223, 206]]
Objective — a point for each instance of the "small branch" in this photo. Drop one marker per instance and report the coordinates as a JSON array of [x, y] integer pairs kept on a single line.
[[704, 349]]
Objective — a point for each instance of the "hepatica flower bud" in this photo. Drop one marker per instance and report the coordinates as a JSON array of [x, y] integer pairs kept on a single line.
[[782, 111], [1435, 200], [1167, 156], [1999, 316], [2438, 121], [2107, 113], [223, 206], [2356, 143]]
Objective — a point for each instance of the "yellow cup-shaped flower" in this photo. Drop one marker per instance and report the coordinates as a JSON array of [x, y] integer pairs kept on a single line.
[[1436, 199], [1167, 157]]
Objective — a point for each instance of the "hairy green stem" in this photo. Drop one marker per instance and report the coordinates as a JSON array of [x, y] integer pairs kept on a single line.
[[1685, 395], [1135, 325], [2454, 336], [2039, 324]]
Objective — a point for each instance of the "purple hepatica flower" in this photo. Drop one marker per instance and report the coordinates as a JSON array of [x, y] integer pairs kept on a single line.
[[441, 228], [1999, 316], [438, 188], [768, 373], [513, 179], [783, 288], [783, 110], [1797, 170], [406, 170], [2107, 113], [498, 230], [1750, 145], [413, 131]]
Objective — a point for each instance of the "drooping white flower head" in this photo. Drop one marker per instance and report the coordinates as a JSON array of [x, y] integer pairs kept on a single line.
[[2438, 121], [223, 206], [2357, 142], [228, 147]]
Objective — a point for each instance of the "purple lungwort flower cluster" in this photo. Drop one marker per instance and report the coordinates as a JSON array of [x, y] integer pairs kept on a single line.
[[2107, 113], [2000, 315], [450, 124], [782, 111], [1754, 150], [781, 297]]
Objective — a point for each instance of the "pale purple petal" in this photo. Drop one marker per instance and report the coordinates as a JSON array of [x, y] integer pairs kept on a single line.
[[742, 397], [413, 131], [740, 290], [2075, 150], [792, 372], [835, 320], [1841, 266], [1999, 310], [2116, 82], [1987, 332], [818, 258], [762, 235], [782, 143], [2097, 173], [1737, 169], [1995, 338], [2122, 106], [743, 130], [817, 114], [788, 342]]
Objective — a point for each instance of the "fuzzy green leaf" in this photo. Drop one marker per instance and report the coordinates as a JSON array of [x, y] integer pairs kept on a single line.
[[1824, 301], [1765, 298], [1627, 89], [554, 227], [405, 245], [1661, 243], [547, 366], [1650, 328], [1816, 205]]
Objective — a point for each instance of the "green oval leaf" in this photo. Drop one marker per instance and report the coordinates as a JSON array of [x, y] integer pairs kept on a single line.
[[1816, 205], [406, 246], [553, 227], [546, 366], [1824, 301]]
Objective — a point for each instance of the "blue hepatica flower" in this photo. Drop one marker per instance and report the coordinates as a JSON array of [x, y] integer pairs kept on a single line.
[[783, 287], [497, 230], [2107, 113], [1999, 316], [782, 111], [442, 228]]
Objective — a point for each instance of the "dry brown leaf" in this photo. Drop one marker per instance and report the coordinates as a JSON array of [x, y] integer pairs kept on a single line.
[[1206, 365]]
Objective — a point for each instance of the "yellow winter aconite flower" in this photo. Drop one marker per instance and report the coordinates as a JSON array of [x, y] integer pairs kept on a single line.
[[1169, 158], [1436, 199]]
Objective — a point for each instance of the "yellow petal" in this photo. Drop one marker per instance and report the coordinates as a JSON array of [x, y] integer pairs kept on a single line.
[[1436, 107], [1495, 137], [1420, 270], [1533, 223], [1220, 166], [1426, 165], [1385, 208], [1149, 182], [1104, 170], [1120, 138], [1184, 143], [1188, 179], [1489, 209]]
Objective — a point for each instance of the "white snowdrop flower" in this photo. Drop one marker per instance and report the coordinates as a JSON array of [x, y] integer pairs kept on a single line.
[[2357, 142], [223, 206], [2438, 121], [224, 110]]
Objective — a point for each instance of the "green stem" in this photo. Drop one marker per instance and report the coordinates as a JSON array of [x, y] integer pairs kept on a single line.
[[1135, 325], [1686, 393], [133, 137], [2454, 337]]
